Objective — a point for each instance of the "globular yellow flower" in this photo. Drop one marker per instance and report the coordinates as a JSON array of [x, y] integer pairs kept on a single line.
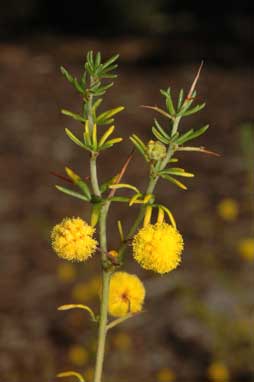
[[84, 291], [246, 249], [126, 294], [78, 355], [218, 372], [72, 239], [158, 247], [122, 341], [66, 272], [165, 375], [228, 209]]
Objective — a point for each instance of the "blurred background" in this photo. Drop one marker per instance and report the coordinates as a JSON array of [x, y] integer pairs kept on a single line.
[[198, 324]]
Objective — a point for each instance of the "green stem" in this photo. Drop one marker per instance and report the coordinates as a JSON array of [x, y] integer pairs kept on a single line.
[[106, 273], [150, 188], [104, 299], [93, 173], [102, 327]]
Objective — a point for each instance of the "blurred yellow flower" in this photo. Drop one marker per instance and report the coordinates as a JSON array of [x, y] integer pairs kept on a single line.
[[218, 372], [246, 248], [122, 341], [165, 375], [78, 355], [72, 239], [84, 291], [228, 209], [126, 294], [66, 272], [158, 247]]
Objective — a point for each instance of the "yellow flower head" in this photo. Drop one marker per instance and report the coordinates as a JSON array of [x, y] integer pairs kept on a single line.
[[72, 239], [122, 341], [78, 355], [228, 209], [66, 272], [218, 372], [165, 375], [246, 248], [126, 294], [158, 247]]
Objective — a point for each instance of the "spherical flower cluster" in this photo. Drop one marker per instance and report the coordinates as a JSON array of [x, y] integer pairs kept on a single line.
[[165, 375], [228, 209], [218, 372], [72, 239], [246, 248], [78, 355], [126, 294], [158, 247]]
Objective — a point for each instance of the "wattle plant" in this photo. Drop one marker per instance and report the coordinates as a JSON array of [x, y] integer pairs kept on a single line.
[[157, 245]]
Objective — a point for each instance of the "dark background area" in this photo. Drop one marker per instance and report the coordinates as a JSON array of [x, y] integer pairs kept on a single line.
[[220, 31], [198, 324]]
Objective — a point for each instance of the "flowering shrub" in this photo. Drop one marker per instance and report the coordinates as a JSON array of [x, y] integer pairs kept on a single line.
[[157, 246]]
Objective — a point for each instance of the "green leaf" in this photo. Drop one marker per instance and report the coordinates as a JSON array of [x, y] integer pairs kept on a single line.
[[191, 135], [84, 187], [110, 143], [199, 132], [141, 143], [176, 171], [98, 91], [104, 117], [76, 179], [110, 61], [105, 186], [174, 137], [180, 99], [72, 193], [174, 181], [95, 214], [96, 104], [161, 130], [194, 110], [66, 74], [75, 116], [79, 306], [83, 80], [106, 135], [183, 138], [97, 59], [72, 80], [77, 86], [159, 136], [140, 146], [71, 374], [124, 185], [122, 199], [74, 138], [169, 101], [173, 160]]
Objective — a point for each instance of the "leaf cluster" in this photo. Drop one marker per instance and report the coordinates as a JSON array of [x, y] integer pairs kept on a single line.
[[91, 85], [170, 135]]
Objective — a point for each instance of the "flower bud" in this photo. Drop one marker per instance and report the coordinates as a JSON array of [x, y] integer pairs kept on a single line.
[[156, 150]]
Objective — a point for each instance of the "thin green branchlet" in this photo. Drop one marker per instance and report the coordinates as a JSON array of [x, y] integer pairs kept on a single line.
[[159, 154]]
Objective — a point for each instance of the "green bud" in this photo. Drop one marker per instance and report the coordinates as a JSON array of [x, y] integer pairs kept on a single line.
[[156, 150]]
